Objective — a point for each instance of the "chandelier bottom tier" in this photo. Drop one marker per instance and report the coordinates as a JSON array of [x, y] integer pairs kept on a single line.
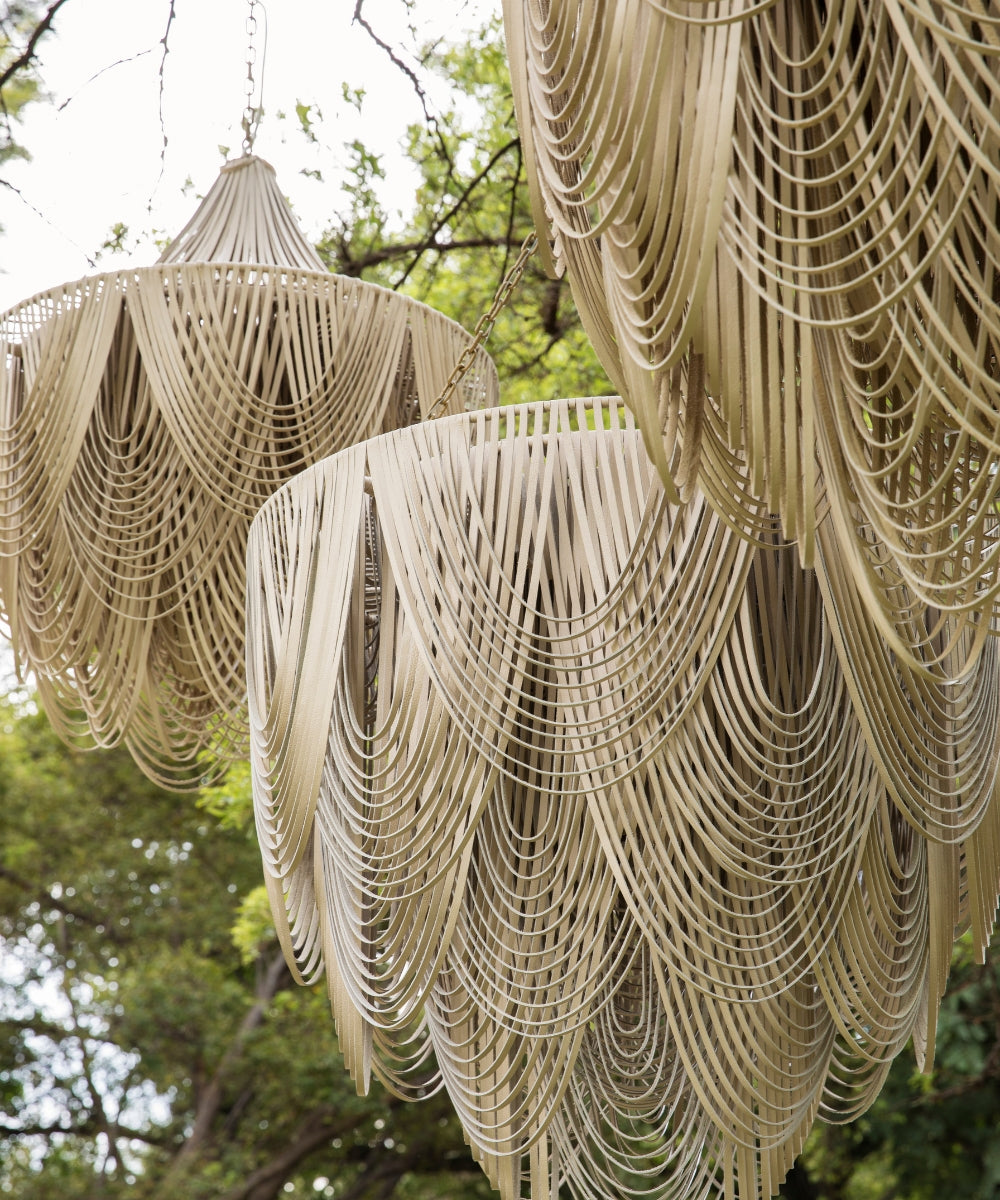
[[632, 835]]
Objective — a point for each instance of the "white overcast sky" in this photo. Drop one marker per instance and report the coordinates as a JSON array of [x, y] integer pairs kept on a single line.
[[97, 159]]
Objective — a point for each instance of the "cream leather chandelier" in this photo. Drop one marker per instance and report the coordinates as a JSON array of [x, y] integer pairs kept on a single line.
[[145, 415], [779, 222], [632, 834]]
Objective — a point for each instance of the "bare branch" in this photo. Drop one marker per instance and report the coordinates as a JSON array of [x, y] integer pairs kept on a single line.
[[459, 204], [38, 213], [397, 62], [103, 71], [394, 58], [163, 62]]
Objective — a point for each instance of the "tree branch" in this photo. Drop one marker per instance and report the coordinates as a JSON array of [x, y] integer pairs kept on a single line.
[[381, 1173], [395, 250], [86, 1128], [989, 1072], [31, 889], [211, 1098], [397, 62], [103, 71], [28, 53], [379, 1176], [163, 62], [38, 213], [40, 1026], [49, 1129], [511, 215], [394, 58], [459, 204], [315, 1131]]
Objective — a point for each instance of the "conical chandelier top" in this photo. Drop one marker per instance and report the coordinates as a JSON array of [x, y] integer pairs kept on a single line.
[[145, 415], [244, 218]]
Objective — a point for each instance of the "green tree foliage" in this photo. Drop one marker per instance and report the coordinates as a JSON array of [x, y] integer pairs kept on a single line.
[[23, 23], [141, 1054]]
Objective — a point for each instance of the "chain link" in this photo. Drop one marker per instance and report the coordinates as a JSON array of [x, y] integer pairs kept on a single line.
[[251, 112], [484, 327]]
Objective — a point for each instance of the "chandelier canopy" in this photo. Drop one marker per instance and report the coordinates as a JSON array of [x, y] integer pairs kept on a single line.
[[145, 415], [631, 833], [779, 222]]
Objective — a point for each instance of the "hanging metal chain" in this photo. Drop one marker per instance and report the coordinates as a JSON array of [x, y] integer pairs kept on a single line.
[[486, 322], [252, 112]]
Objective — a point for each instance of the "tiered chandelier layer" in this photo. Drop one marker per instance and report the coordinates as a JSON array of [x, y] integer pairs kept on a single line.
[[145, 415], [631, 833], [779, 221]]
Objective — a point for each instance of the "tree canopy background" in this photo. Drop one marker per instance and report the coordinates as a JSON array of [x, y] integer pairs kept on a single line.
[[152, 1043]]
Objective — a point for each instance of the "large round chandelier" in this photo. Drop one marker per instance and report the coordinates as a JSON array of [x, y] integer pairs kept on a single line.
[[145, 415], [779, 223], [632, 834]]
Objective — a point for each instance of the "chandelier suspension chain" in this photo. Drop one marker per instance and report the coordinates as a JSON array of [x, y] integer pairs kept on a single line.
[[252, 112], [484, 326]]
